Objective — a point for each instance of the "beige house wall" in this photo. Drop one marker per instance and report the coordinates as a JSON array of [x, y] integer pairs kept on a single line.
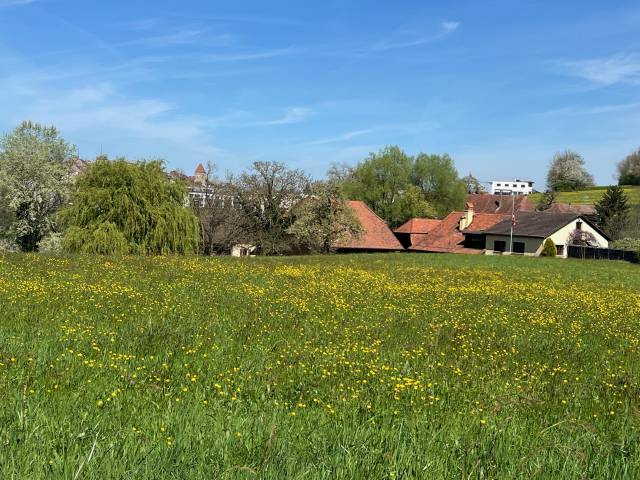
[[561, 237], [533, 246]]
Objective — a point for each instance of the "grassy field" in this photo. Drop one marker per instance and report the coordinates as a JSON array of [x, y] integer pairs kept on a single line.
[[591, 196], [365, 366]]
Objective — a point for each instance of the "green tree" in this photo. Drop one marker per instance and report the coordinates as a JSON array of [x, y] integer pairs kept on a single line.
[[35, 176], [124, 207], [546, 201], [380, 181], [437, 178], [568, 173], [323, 218], [549, 248], [613, 211], [472, 184], [629, 169], [266, 197]]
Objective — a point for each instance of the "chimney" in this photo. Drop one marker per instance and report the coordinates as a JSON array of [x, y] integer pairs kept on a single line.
[[467, 218]]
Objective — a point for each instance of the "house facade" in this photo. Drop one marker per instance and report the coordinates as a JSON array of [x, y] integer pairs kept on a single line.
[[532, 229]]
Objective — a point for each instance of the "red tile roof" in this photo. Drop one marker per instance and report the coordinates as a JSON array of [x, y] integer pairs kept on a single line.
[[500, 204], [447, 236], [200, 169], [418, 225], [577, 208], [376, 235]]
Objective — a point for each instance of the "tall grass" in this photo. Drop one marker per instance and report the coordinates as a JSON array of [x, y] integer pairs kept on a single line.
[[366, 366]]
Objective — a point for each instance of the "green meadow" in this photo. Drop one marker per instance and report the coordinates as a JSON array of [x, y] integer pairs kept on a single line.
[[356, 367]]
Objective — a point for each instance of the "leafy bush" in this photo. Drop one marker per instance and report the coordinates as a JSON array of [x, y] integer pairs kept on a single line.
[[52, 243], [626, 244], [549, 248], [8, 246]]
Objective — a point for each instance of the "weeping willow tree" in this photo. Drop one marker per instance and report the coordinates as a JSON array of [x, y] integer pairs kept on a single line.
[[123, 207]]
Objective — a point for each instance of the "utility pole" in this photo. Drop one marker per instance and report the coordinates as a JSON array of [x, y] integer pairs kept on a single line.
[[513, 222]]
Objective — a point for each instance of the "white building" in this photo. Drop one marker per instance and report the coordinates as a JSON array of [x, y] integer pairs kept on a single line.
[[532, 229], [511, 187]]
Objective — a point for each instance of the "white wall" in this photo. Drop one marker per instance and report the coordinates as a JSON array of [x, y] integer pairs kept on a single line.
[[533, 246], [561, 237]]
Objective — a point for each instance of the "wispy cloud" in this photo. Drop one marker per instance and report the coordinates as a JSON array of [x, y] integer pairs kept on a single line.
[[181, 37], [342, 138], [290, 115], [619, 68], [399, 128], [247, 55], [592, 110], [405, 41], [15, 3]]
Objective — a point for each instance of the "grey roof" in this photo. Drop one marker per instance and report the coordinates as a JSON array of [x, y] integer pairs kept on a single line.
[[534, 224]]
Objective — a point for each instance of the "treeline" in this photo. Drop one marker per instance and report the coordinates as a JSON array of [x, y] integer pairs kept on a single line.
[[50, 201]]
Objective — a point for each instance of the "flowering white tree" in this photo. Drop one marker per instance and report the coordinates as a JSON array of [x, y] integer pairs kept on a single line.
[[35, 175], [567, 173]]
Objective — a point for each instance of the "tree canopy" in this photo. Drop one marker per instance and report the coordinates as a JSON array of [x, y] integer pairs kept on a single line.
[[323, 218], [568, 173], [35, 176], [266, 197], [124, 207], [437, 178], [629, 169], [397, 186], [613, 211]]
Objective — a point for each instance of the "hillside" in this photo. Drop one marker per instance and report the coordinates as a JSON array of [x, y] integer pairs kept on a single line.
[[346, 367], [591, 196]]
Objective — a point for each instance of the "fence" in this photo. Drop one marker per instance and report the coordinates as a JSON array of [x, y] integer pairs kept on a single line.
[[593, 253]]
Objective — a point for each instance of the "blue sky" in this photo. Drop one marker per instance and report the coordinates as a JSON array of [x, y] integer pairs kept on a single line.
[[498, 85]]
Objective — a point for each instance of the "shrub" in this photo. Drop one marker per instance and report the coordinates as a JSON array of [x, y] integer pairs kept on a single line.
[[8, 246], [626, 244], [52, 243], [549, 249]]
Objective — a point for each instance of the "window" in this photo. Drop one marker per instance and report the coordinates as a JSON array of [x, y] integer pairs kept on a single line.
[[499, 246], [498, 184], [518, 247], [560, 250], [579, 225]]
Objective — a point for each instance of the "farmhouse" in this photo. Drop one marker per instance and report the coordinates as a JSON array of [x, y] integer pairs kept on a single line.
[[501, 204], [415, 230], [459, 232], [376, 236], [533, 228]]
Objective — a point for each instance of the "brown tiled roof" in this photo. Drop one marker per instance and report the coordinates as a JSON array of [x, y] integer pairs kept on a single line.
[[418, 225], [200, 169], [500, 204], [447, 236], [376, 235], [533, 224], [577, 208]]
